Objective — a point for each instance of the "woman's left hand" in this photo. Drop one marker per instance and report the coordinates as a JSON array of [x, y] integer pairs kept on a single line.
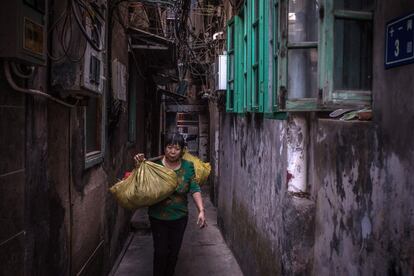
[[201, 221]]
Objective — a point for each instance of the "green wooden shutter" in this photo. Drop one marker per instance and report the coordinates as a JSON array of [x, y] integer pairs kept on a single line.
[[239, 24], [230, 67]]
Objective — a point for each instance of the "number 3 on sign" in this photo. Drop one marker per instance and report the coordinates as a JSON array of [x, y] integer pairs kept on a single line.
[[397, 48]]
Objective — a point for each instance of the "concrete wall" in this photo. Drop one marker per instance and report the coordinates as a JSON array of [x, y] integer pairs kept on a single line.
[[269, 232], [12, 179], [358, 219], [365, 212], [58, 217]]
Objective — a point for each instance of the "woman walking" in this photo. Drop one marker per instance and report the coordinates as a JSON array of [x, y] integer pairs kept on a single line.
[[169, 217]]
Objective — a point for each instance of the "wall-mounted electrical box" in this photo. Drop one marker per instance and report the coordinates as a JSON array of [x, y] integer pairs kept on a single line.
[[93, 63], [119, 80], [83, 77], [220, 73], [23, 31]]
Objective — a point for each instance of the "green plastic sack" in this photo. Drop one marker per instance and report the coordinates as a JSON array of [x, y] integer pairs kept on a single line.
[[148, 184], [202, 169]]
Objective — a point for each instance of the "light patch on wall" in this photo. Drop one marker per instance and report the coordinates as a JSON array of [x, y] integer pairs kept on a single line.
[[282, 131], [374, 173], [234, 130], [217, 150], [349, 180], [321, 136], [366, 226]]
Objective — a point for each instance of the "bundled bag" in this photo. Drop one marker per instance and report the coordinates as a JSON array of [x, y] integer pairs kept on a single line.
[[202, 169], [148, 184]]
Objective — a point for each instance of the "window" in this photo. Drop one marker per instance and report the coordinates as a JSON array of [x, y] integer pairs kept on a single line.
[[245, 59], [271, 53], [252, 47], [347, 75], [236, 86], [240, 78], [94, 70], [298, 61], [256, 43], [330, 69], [230, 66], [300, 55], [94, 131]]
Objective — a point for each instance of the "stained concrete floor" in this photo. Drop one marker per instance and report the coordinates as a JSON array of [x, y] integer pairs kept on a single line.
[[203, 252]]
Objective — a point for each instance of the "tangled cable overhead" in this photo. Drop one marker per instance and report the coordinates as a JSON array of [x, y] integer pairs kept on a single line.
[[199, 47], [74, 17]]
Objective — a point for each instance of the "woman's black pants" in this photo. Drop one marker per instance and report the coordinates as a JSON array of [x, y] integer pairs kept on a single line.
[[167, 236]]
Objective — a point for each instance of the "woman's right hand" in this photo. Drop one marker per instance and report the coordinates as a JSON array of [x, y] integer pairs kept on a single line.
[[139, 158]]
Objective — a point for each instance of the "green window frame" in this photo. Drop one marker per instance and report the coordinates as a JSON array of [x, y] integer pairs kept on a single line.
[[245, 58], [237, 89], [298, 39], [336, 80], [252, 51], [271, 60], [245, 50], [240, 58], [230, 95], [256, 65], [275, 66], [342, 84]]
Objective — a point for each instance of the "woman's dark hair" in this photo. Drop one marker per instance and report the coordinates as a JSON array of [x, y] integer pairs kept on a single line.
[[174, 139]]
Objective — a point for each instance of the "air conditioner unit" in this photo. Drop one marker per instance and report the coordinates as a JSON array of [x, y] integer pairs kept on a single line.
[[23, 31], [220, 73], [93, 63]]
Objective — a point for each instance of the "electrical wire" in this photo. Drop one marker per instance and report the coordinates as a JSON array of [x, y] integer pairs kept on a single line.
[[82, 12], [18, 72], [14, 86], [96, 45]]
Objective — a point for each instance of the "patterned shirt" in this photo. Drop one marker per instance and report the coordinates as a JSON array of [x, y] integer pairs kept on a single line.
[[175, 206]]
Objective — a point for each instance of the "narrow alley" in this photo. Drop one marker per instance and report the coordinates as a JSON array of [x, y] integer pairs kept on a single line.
[[287, 124], [204, 251]]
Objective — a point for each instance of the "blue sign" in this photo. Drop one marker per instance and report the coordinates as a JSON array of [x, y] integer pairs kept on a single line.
[[399, 41]]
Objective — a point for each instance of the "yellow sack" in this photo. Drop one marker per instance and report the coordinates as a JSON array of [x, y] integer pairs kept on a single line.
[[202, 169], [148, 184]]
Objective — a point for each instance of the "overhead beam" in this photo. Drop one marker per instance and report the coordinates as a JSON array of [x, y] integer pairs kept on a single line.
[[149, 47]]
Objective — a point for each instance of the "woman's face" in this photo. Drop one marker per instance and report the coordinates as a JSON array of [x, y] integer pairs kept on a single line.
[[173, 153]]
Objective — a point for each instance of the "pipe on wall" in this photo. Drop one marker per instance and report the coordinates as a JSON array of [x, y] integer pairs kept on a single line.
[[297, 148]]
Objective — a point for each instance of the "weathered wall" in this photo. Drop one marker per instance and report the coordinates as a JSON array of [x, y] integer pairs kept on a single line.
[[344, 154], [24, 212], [12, 179], [214, 149], [88, 226], [58, 217], [365, 217], [254, 213], [358, 219]]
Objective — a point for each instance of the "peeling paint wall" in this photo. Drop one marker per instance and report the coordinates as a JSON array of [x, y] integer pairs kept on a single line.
[[254, 213], [343, 191], [359, 217], [365, 216]]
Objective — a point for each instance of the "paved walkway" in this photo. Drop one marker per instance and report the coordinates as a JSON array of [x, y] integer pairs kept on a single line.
[[203, 252]]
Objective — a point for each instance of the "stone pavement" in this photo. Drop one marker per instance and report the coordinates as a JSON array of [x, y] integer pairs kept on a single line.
[[203, 252]]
